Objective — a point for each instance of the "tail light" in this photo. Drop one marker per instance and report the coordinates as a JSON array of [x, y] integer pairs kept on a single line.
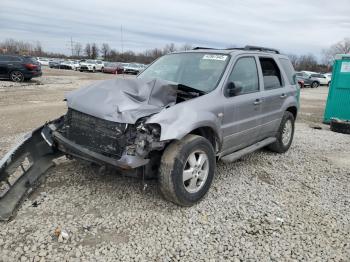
[[31, 66]]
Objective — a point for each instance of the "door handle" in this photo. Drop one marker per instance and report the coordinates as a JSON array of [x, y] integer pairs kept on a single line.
[[283, 96], [257, 102]]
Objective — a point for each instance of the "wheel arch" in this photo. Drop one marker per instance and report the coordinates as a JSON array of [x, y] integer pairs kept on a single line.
[[210, 134], [293, 110]]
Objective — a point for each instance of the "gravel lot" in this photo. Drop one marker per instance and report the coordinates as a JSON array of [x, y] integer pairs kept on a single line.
[[264, 207]]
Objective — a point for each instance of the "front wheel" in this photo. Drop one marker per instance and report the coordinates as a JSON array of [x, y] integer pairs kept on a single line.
[[187, 170], [285, 134]]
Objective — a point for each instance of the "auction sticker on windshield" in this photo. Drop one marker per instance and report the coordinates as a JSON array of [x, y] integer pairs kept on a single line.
[[215, 57]]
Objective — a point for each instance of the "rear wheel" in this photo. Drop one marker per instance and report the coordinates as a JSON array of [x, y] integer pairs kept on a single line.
[[285, 134], [17, 76], [315, 84], [187, 170]]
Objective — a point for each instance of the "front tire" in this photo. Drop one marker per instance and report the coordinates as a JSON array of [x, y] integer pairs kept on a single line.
[[187, 170], [16, 76], [285, 134]]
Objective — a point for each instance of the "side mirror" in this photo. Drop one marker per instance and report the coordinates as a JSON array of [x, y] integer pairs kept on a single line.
[[233, 89]]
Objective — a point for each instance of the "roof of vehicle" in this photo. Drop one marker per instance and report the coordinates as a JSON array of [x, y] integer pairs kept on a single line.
[[248, 48]]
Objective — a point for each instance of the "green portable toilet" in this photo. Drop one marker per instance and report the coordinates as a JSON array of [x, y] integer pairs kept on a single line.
[[338, 101]]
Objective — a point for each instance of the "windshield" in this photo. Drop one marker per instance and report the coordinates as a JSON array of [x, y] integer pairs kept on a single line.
[[201, 71]]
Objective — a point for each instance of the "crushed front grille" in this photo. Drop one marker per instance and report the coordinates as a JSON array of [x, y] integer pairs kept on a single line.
[[101, 136]]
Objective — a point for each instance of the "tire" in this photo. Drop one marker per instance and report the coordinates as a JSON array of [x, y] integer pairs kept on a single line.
[[285, 134], [94, 70], [16, 76], [177, 158], [340, 126], [315, 84]]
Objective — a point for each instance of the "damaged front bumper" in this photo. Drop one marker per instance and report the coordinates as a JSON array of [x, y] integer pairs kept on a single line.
[[21, 168], [71, 148]]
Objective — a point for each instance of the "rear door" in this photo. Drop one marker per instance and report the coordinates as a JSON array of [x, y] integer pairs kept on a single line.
[[242, 112], [275, 93]]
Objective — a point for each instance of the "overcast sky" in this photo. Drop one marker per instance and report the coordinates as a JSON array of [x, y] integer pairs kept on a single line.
[[293, 26]]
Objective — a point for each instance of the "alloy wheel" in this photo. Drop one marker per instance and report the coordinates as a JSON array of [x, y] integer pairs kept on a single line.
[[195, 171]]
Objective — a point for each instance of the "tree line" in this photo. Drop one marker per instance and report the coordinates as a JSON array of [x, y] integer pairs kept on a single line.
[[92, 51], [89, 51]]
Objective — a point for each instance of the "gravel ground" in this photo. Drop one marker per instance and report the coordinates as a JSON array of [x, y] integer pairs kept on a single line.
[[264, 207]]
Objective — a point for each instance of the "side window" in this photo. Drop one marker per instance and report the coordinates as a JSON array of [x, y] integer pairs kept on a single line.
[[289, 70], [271, 73], [245, 75]]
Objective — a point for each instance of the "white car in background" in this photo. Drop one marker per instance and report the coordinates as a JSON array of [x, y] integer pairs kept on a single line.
[[91, 65], [328, 77], [43, 61], [314, 77], [73, 65], [320, 78]]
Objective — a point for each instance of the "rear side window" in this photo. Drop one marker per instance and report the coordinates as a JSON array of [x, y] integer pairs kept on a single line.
[[289, 70], [245, 75], [271, 73]]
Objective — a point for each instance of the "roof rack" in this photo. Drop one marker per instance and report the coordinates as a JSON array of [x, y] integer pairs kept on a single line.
[[247, 47], [260, 48], [199, 47]]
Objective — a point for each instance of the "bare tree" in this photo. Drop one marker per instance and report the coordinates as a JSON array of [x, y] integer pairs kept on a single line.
[[87, 50], [94, 51], [186, 47], [106, 50], [307, 62], [38, 50], [78, 49], [169, 48], [293, 59], [342, 47]]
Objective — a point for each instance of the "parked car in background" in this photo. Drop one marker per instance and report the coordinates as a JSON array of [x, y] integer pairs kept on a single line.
[[133, 68], [72, 65], [19, 68], [328, 77], [91, 65], [320, 78], [310, 78], [43, 61], [54, 64], [113, 68]]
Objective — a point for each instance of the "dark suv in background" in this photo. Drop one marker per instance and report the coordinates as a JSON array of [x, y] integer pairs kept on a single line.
[[19, 68]]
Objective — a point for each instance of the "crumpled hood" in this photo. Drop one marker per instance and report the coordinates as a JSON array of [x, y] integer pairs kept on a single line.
[[123, 100]]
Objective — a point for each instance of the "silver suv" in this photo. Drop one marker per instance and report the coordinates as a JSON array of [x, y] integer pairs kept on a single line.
[[175, 120]]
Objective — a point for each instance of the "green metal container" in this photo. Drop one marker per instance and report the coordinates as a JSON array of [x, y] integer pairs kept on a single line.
[[338, 101]]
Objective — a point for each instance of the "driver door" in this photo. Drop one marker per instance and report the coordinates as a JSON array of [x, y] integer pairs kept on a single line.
[[242, 112]]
